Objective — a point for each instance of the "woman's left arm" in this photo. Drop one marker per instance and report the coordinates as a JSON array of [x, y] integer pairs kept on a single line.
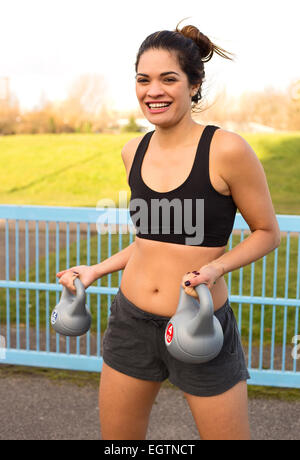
[[245, 176]]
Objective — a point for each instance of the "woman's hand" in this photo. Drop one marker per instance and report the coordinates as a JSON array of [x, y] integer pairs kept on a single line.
[[86, 274], [208, 274]]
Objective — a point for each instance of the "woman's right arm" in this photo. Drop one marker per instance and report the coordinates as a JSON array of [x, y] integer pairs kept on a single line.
[[115, 263], [88, 274], [118, 261]]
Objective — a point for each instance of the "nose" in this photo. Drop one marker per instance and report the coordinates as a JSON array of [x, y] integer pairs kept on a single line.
[[155, 90]]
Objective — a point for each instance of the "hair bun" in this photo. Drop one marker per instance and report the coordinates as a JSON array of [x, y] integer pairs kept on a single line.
[[204, 44]]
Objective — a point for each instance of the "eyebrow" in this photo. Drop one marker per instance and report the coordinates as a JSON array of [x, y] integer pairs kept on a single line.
[[162, 74]]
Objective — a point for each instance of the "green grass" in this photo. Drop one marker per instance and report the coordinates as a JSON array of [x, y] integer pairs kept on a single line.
[[62, 169], [80, 169], [279, 155]]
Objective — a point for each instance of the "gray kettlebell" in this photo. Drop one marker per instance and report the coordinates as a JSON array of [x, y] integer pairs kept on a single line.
[[71, 316], [194, 334]]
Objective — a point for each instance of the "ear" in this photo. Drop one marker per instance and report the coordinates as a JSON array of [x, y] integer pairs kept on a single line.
[[194, 90]]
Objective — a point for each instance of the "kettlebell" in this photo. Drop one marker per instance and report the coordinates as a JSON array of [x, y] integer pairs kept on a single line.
[[71, 316], [194, 334]]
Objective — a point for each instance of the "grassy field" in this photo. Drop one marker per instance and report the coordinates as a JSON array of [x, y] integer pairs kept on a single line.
[[80, 169], [62, 170]]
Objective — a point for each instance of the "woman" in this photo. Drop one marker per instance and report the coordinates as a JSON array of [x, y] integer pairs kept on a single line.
[[183, 161]]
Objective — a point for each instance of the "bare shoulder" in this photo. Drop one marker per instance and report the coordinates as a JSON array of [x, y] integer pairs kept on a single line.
[[130, 147], [128, 152], [235, 155], [228, 141], [231, 146]]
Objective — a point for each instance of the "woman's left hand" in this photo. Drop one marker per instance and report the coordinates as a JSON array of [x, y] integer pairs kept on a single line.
[[208, 274]]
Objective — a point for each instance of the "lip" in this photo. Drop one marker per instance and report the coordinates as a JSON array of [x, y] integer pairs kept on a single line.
[[158, 102], [158, 110]]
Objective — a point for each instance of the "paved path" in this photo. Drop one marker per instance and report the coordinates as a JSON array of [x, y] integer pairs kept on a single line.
[[36, 408]]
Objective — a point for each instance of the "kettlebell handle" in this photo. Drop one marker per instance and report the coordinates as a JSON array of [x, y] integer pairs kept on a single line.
[[80, 295], [203, 320], [75, 299]]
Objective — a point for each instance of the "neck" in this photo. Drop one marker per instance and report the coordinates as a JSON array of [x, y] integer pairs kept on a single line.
[[180, 134]]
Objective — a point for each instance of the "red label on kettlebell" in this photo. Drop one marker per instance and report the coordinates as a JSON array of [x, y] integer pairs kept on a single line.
[[169, 333]]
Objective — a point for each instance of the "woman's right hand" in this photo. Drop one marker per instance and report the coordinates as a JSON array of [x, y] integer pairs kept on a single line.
[[86, 274]]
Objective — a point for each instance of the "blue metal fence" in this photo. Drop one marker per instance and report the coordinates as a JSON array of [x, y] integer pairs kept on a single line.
[[38, 241]]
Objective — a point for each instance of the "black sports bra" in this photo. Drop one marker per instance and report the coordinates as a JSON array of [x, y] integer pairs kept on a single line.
[[193, 214]]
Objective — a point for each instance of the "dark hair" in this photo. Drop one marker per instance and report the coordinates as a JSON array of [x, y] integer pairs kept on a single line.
[[192, 48]]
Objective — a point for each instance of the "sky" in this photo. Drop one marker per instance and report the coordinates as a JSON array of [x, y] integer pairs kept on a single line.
[[45, 45]]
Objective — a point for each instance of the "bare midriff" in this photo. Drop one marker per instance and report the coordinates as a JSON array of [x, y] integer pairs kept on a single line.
[[153, 275]]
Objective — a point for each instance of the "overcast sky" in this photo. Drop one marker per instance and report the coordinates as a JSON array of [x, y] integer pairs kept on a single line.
[[46, 44]]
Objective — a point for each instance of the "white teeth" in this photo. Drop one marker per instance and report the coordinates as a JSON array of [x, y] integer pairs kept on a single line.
[[153, 106]]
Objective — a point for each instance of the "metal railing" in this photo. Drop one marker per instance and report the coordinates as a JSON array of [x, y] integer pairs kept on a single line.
[[38, 241]]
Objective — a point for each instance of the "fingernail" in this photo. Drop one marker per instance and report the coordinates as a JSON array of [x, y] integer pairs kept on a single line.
[[187, 283]]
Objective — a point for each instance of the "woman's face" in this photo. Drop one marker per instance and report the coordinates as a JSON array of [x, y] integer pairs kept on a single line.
[[160, 79]]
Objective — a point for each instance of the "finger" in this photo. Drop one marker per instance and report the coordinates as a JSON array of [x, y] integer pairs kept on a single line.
[[69, 270], [189, 280], [198, 280], [71, 285], [70, 288], [191, 291], [186, 280], [195, 280], [75, 275], [188, 288], [67, 277]]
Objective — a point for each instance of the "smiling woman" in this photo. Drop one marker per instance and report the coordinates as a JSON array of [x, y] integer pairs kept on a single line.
[[187, 181], [171, 165]]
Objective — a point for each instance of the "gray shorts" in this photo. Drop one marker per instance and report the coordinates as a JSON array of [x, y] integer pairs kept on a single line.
[[134, 344]]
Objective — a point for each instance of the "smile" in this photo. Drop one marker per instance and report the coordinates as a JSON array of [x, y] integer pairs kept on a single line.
[[158, 107]]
